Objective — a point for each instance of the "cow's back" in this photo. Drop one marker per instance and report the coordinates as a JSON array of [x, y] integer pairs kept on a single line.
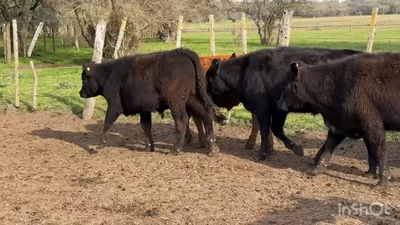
[[153, 80], [366, 84]]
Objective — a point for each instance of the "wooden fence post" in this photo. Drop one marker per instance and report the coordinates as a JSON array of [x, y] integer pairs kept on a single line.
[[76, 38], [97, 56], [120, 37], [8, 43], [212, 34], [372, 29], [179, 32], [244, 34], [35, 84], [284, 29], [16, 62], [35, 37]]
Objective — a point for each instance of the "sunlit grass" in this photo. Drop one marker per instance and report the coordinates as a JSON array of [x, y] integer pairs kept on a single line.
[[59, 87]]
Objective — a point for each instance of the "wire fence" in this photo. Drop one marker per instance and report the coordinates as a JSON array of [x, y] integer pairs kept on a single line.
[[59, 71]]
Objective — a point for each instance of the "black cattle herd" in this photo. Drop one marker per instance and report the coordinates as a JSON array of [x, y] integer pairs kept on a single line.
[[356, 93]]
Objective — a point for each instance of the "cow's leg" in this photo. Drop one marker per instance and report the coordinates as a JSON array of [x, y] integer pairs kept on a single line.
[[210, 138], [374, 132], [199, 124], [278, 121], [325, 153], [145, 122], [265, 127], [195, 105], [181, 120], [111, 117], [319, 153], [188, 135], [254, 132], [255, 128], [373, 161]]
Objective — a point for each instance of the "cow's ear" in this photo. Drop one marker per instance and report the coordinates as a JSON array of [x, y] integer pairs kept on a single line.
[[294, 67], [216, 62], [233, 56]]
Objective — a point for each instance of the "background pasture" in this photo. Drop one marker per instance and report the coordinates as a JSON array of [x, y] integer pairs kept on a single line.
[[59, 74]]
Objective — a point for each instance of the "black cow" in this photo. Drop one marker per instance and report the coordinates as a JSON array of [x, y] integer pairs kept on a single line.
[[257, 80], [142, 84], [358, 97]]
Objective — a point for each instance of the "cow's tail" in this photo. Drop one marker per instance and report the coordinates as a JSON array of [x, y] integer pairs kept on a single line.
[[201, 88]]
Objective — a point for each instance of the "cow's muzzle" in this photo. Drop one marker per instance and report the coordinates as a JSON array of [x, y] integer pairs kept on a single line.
[[82, 94]]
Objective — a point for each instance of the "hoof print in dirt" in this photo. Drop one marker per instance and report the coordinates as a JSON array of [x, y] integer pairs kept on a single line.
[[151, 212], [92, 151]]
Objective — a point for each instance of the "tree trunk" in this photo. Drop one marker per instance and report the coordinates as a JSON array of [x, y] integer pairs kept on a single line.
[[87, 28], [23, 27], [167, 33]]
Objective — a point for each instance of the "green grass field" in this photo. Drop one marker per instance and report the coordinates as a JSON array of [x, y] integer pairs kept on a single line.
[[59, 87]]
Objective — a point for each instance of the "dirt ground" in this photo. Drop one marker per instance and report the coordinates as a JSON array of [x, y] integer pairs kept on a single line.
[[50, 174]]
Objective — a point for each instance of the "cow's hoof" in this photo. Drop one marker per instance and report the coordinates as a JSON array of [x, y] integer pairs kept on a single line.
[[214, 149], [261, 156], [317, 170], [315, 161], [202, 143], [150, 148], [249, 146], [298, 150], [175, 152], [102, 139], [220, 118], [213, 154], [188, 138], [371, 174], [381, 186]]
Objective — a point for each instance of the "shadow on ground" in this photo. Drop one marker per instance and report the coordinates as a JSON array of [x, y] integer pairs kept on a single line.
[[131, 136]]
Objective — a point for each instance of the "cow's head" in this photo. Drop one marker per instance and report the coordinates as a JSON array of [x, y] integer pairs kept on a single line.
[[217, 86], [90, 81], [292, 97]]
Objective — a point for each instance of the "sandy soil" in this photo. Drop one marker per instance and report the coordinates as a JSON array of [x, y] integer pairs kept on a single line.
[[49, 175]]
